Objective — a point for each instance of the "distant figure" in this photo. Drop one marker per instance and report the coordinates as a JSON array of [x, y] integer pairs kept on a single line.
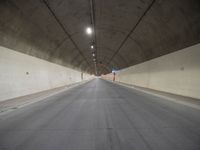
[[113, 76]]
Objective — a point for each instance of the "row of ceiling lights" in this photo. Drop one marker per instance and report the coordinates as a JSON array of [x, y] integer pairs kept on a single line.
[[89, 31]]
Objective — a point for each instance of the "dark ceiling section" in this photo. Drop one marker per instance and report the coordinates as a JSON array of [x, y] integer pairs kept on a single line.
[[127, 32]]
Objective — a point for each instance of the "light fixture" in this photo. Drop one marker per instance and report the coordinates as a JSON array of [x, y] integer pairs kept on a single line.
[[89, 30], [93, 54], [92, 46]]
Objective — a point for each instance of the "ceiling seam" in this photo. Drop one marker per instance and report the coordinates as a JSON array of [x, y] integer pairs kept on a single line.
[[29, 20], [132, 30], [66, 32]]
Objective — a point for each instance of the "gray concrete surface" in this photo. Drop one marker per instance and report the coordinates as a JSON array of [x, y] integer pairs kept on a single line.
[[22, 101], [188, 101], [128, 32], [99, 115]]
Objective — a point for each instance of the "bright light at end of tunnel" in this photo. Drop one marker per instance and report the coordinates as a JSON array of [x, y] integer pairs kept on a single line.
[[89, 30]]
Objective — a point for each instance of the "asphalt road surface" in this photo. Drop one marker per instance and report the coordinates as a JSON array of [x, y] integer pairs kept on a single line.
[[100, 115]]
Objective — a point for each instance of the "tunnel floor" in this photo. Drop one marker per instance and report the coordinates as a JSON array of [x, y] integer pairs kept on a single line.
[[100, 115]]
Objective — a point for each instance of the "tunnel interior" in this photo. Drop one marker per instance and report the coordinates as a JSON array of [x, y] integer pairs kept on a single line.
[[124, 33], [99, 74]]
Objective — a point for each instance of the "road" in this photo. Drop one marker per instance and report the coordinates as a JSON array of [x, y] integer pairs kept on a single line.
[[100, 115]]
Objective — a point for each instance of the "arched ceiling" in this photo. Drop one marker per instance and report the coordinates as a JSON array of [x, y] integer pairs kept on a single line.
[[126, 32]]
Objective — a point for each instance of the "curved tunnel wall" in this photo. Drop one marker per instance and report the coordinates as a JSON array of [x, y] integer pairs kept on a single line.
[[32, 74], [177, 73]]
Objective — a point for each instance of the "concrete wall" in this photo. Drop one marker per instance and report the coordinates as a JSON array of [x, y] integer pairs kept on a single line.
[[177, 73], [21, 74]]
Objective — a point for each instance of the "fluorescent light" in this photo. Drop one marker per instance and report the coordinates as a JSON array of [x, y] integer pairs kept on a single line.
[[89, 30]]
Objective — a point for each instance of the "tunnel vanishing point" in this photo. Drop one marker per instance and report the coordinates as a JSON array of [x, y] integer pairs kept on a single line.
[[99, 75]]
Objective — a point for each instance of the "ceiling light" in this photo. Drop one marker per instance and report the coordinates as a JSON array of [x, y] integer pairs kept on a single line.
[[92, 46], [89, 30], [93, 54]]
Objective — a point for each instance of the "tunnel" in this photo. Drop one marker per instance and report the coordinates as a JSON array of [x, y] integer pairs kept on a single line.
[[99, 75]]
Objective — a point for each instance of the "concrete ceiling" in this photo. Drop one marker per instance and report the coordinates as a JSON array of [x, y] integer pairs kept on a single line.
[[126, 32]]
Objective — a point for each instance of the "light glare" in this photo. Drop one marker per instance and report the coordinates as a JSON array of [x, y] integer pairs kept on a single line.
[[89, 30]]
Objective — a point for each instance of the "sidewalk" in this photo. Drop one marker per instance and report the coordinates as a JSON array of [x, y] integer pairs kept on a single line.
[[188, 101], [15, 103]]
